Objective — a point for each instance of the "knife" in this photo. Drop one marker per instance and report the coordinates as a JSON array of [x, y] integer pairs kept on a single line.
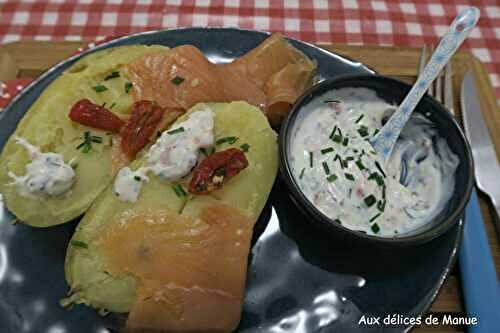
[[479, 279]]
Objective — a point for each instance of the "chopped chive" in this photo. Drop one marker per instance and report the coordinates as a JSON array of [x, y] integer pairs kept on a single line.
[[355, 151], [349, 176], [375, 228], [337, 138], [333, 132], [345, 142], [360, 165], [103, 104], [112, 105], [81, 244], [332, 101], [177, 80], [377, 164], [137, 178], [349, 158], [363, 130], [113, 75], [331, 178], [326, 168], [376, 131], [128, 87], [378, 178], [310, 159], [359, 118], [179, 190], [345, 163], [381, 205], [175, 131], [327, 150], [383, 192], [245, 147], [302, 173], [99, 88], [337, 221], [370, 200], [228, 139], [375, 217], [158, 134]]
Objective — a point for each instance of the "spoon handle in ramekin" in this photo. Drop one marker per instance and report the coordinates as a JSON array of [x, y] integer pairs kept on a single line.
[[460, 28]]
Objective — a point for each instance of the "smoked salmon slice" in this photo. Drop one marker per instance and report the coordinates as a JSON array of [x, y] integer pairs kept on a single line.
[[191, 271], [271, 77]]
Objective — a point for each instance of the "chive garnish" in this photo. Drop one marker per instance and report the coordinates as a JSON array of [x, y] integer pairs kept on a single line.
[[363, 130], [349, 176], [360, 165], [349, 158], [337, 138], [378, 178], [177, 80], [310, 159], [128, 87], [381, 205], [137, 178], [113, 75], [333, 132], [332, 101], [245, 147], [375, 217], [81, 244], [345, 142], [302, 173], [99, 88], [228, 139], [377, 164], [326, 168], [370, 200], [112, 105], [375, 132], [103, 104], [86, 145], [179, 190], [383, 192], [375, 228], [327, 150], [175, 131], [359, 118], [331, 178], [337, 221]]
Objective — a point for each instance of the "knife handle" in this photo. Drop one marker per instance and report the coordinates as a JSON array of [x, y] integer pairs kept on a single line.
[[479, 279]]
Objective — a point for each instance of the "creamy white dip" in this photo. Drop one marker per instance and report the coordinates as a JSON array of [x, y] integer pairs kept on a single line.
[[46, 174], [339, 172], [173, 155]]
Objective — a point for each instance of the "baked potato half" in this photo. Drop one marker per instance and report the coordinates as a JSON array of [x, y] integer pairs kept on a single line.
[[187, 237], [47, 126]]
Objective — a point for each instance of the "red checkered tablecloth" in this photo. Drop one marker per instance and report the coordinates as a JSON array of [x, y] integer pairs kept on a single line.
[[411, 23]]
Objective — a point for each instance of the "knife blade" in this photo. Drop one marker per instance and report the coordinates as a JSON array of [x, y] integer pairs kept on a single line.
[[479, 279], [486, 169]]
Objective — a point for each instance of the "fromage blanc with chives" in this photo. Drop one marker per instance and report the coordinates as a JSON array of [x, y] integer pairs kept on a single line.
[[46, 174], [339, 172], [173, 156]]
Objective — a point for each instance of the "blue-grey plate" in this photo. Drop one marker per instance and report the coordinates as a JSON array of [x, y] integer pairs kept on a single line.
[[299, 280]]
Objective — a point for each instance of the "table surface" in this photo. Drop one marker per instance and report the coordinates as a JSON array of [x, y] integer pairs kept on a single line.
[[383, 22]]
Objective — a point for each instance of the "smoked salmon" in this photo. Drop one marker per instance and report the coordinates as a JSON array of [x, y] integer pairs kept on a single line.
[[271, 77]]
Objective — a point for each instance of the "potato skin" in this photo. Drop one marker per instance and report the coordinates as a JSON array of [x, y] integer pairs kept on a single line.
[[46, 125], [248, 191]]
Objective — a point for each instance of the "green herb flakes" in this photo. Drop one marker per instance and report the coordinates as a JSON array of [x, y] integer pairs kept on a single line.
[[177, 80], [375, 228], [326, 168], [245, 147], [113, 75], [175, 131], [179, 190], [128, 87], [302, 173], [99, 88], [80, 244], [331, 178], [349, 176], [370, 200], [327, 150], [228, 139]]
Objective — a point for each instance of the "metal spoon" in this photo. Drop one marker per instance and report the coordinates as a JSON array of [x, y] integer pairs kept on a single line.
[[460, 28]]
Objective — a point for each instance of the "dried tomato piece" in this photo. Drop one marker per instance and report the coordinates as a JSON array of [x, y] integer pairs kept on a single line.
[[146, 116], [89, 114], [216, 170]]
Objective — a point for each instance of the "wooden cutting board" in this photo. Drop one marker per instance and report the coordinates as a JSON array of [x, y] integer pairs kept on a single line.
[[30, 59]]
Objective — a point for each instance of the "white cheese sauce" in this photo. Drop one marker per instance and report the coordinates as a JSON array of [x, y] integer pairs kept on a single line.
[[46, 174], [173, 155], [339, 172]]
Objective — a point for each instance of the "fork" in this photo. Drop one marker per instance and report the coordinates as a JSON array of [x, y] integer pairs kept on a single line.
[[477, 269]]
